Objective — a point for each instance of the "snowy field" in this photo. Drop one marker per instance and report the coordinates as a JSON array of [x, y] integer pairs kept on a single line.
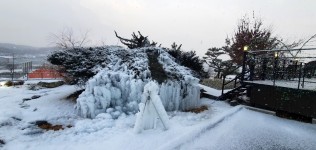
[[219, 127]]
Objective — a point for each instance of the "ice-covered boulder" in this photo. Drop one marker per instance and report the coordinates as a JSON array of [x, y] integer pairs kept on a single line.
[[117, 89]]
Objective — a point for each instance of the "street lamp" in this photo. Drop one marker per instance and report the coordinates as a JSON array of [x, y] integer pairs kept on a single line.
[[276, 54], [246, 47]]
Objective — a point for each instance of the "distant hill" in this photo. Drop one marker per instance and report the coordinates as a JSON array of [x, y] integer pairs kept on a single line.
[[23, 53], [8, 49]]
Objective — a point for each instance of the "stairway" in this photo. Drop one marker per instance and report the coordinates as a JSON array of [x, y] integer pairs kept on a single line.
[[238, 95]]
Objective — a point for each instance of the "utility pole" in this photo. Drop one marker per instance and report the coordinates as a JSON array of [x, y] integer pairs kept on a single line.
[[12, 76]]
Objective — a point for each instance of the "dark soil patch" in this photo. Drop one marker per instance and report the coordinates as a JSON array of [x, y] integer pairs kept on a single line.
[[74, 95], [35, 96], [197, 110], [15, 118], [51, 127], [69, 126], [48, 126], [51, 84], [156, 69], [18, 82], [13, 83], [26, 99], [2, 142], [8, 83]]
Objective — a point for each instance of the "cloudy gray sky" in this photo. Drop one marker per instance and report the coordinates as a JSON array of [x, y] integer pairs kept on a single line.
[[197, 24]]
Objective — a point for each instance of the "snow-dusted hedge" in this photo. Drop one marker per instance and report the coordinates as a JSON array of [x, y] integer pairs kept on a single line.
[[78, 64], [117, 89]]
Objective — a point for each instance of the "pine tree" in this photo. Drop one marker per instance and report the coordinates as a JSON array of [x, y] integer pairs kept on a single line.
[[188, 59], [213, 61]]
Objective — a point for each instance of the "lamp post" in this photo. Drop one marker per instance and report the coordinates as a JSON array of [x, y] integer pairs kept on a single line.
[[304, 72], [246, 47], [276, 56], [299, 75]]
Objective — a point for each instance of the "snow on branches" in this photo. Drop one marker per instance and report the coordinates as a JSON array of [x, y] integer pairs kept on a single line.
[[118, 87]]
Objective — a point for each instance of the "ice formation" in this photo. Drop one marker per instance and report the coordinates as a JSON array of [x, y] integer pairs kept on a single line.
[[117, 88], [151, 109]]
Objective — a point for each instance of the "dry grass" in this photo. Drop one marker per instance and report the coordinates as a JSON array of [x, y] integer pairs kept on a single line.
[[197, 110], [49, 126], [217, 84]]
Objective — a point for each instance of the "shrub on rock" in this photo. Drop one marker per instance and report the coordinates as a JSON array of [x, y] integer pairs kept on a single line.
[[120, 84]]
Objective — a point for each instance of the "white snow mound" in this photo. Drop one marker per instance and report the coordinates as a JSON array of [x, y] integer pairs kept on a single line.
[[117, 88]]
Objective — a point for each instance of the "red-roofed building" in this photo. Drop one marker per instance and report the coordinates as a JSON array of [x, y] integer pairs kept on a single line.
[[45, 73]]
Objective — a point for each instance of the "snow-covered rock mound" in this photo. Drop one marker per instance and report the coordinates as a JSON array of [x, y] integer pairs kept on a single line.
[[117, 89]]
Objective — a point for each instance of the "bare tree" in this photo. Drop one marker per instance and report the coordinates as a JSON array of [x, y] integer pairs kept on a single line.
[[67, 39], [10, 67], [136, 41]]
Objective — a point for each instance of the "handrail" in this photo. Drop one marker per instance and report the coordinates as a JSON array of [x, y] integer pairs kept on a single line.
[[285, 72], [276, 50], [235, 69], [235, 79]]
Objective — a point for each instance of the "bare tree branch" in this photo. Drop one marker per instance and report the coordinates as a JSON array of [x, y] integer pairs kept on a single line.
[[66, 39], [136, 41]]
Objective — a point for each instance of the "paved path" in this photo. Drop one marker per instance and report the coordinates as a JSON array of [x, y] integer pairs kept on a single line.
[[248, 130]]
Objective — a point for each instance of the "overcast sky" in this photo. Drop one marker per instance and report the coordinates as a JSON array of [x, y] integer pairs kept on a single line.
[[197, 24]]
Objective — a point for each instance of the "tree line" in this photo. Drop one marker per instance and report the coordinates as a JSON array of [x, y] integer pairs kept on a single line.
[[250, 32]]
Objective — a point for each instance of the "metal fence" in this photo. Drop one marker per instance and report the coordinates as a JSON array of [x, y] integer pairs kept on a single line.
[[278, 65], [15, 71]]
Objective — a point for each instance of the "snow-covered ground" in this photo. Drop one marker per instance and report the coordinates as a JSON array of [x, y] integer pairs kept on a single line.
[[248, 130], [212, 91], [219, 127], [309, 85]]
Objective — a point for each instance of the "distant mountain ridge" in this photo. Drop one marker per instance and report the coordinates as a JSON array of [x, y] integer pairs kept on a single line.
[[9, 48]]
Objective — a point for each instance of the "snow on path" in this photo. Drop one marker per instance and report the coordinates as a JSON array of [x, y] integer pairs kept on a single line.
[[199, 130], [248, 130]]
